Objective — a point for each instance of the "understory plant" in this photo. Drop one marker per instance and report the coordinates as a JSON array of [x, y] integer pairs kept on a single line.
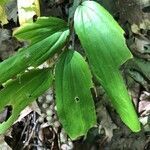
[[104, 44]]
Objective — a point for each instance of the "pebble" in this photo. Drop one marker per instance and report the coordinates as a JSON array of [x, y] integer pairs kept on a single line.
[[52, 107], [55, 108], [49, 112], [40, 99], [49, 98], [66, 147], [56, 124], [44, 105], [63, 137], [49, 118], [41, 119]]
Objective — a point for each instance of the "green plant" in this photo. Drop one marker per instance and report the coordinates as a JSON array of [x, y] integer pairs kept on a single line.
[[104, 44], [3, 16]]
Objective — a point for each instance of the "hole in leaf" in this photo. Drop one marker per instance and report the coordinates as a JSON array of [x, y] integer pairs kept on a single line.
[[6, 113], [30, 96], [77, 99]]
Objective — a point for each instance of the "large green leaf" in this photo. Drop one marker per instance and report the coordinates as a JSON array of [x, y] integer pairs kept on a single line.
[[75, 106], [47, 35], [21, 92], [41, 29], [104, 43]]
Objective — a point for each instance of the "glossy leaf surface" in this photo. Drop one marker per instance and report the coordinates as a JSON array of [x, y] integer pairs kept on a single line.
[[75, 106], [104, 43], [48, 35], [21, 92]]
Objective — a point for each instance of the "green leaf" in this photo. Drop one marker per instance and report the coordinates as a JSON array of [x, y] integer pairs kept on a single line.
[[43, 28], [3, 16], [104, 44], [75, 106], [48, 35], [3, 2], [21, 92]]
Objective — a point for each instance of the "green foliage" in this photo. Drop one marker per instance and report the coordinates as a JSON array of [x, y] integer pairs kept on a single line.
[[104, 44], [21, 92], [103, 41], [3, 16], [3, 2], [75, 106], [54, 35]]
